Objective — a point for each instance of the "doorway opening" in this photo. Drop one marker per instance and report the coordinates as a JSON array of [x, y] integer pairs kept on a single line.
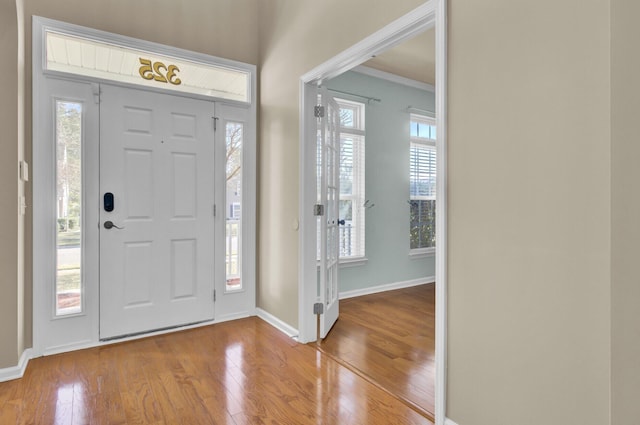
[[430, 15]]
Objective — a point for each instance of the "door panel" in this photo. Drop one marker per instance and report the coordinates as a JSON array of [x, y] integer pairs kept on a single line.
[[157, 158], [329, 139]]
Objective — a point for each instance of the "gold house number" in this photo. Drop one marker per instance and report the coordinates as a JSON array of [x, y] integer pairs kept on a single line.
[[159, 72]]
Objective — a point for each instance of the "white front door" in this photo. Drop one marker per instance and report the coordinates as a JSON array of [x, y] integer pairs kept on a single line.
[[329, 142], [156, 211]]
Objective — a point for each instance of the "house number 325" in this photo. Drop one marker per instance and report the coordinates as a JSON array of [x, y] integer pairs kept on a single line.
[[158, 71]]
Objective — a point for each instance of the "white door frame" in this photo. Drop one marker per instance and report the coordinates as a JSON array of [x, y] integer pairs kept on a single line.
[[428, 15], [44, 173]]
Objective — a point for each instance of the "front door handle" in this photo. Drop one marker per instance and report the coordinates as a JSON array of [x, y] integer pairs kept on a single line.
[[109, 225], [341, 222]]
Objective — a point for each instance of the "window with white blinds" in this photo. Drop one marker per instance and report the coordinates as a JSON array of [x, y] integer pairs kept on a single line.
[[352, 147], [422, 184]]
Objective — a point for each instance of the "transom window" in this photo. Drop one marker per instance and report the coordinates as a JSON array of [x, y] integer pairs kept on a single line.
[[110, 61], [422, 184]]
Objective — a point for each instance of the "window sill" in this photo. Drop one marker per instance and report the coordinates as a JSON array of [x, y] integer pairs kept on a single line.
[[349, 262], [353, 262], [415, 254]]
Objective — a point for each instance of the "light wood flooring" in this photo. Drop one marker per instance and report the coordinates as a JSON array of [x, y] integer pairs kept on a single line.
[[235, 373], [389, 338]]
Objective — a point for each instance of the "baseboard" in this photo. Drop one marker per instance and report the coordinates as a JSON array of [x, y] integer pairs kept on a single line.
[[387, 287], [59, 349], [448, 421], [277, 323], [16, 372]]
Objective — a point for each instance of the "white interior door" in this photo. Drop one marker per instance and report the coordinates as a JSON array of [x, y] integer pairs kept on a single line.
[[329, 141], [157, 255]]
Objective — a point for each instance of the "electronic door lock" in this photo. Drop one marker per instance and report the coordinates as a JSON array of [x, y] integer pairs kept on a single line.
[[108, 202]]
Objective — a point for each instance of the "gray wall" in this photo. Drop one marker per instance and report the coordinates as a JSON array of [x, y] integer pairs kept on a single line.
[[625, 238], [295, 37], [386, 182], [11, 144], [529, 212]]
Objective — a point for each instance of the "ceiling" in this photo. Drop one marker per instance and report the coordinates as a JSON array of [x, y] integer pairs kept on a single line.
[[414, 58]]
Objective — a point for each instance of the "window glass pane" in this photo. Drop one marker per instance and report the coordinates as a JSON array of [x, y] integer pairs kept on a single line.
[[422, 171], [414, 129], [69, 207], [422, 232], [346, 165], [234, 140], [347, 232], [346, 208], [433, 132], [423, 130], [346, 117]]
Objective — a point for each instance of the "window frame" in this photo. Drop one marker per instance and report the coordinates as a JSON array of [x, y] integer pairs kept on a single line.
[[357, 132], [430, 144]]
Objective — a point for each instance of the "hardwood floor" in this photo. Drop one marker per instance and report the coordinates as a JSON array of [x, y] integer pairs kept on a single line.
[[235, 373], [390, 339]]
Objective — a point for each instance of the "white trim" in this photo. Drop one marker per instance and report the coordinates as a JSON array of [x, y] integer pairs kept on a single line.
[[92, 344], [417, 253], [422, 112], [426, 16], [277, 323], [347, 262], [308, 253], [371, 72], [448, 421], [16, 372], [441, 214], [387, 287]]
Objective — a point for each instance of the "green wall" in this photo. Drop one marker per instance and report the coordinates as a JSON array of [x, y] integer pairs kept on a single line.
[[386, 182]]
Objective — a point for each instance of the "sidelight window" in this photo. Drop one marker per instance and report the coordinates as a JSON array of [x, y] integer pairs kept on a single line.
[[68, 285], [233, 240]]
